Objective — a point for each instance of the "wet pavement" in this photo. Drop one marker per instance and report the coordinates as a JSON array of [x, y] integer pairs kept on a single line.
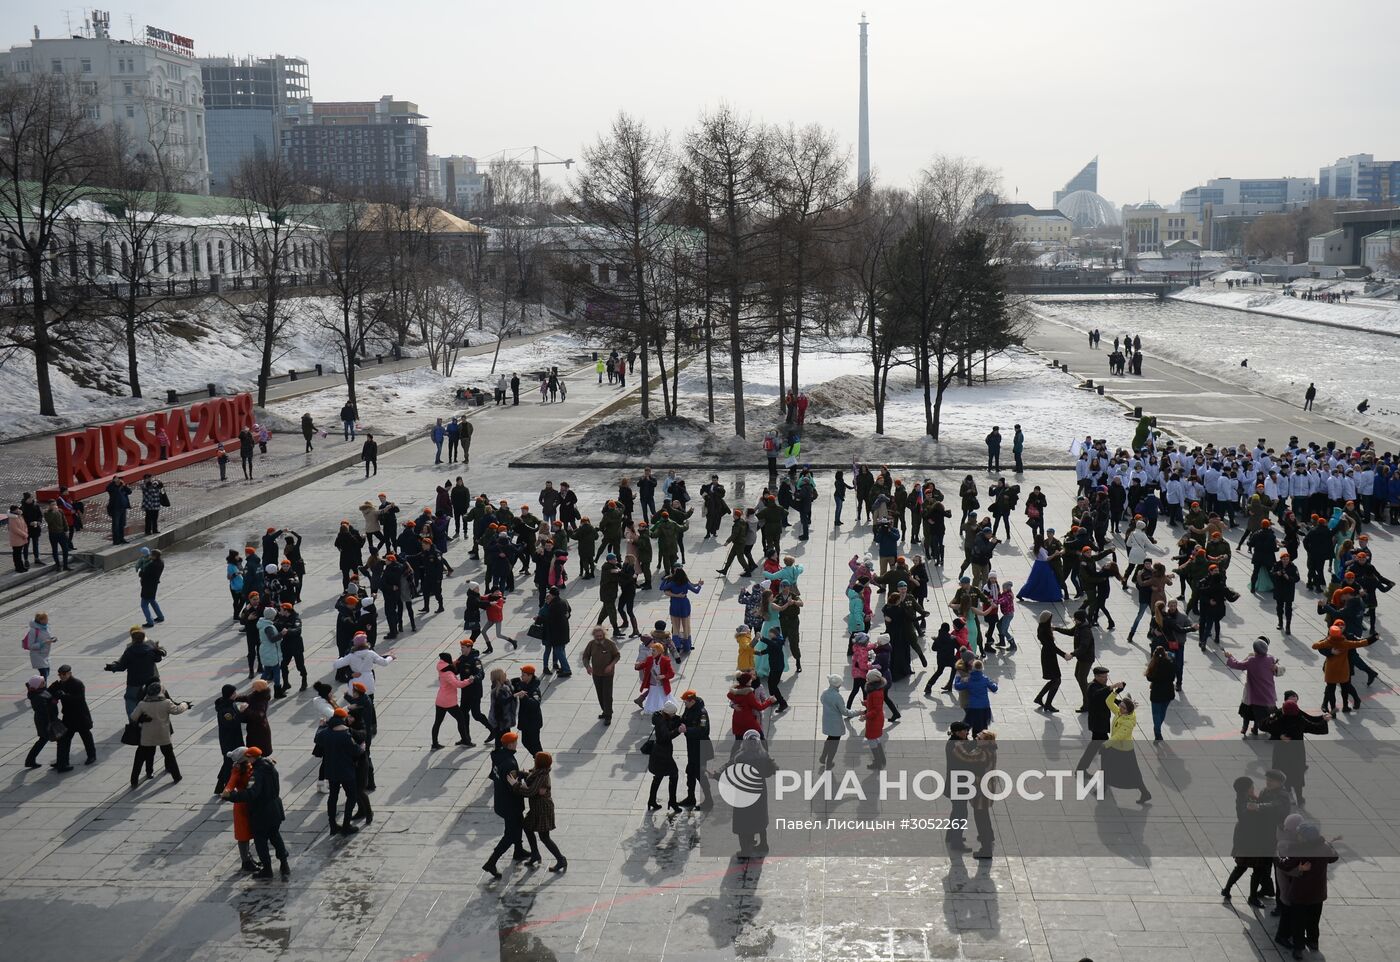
[[98, 872]]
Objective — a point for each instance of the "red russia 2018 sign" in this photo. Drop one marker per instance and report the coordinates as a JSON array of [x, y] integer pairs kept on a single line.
[[88, 459]]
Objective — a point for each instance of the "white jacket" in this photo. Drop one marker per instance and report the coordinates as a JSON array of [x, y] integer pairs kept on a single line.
[[362, 663]]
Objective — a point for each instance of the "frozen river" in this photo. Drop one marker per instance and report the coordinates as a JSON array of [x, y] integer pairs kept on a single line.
[[1284, 355]]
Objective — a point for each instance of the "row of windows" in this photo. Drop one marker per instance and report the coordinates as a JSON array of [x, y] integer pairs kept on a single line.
[[170, 257]]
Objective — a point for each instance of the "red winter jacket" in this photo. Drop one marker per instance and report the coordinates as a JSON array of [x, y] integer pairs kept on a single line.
[[748, 710]]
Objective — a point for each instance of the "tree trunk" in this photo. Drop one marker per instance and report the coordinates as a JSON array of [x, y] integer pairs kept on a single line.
[[501, 335], [646, 378], [41, 341], [269, 331], [661, 367], [709, 366], [930, 425], [133, 377], [796, 323], [943, 380], [882, 379], [351, 348], [782, 371]]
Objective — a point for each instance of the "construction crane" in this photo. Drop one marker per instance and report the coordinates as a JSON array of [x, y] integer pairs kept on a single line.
[[518, 154]]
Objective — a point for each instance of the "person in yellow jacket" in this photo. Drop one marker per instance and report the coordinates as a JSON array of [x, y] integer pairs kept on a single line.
[[1120, 764], [743, 637]]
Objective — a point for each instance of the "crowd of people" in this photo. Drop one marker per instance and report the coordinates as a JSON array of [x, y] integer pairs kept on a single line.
[[1174, 527]]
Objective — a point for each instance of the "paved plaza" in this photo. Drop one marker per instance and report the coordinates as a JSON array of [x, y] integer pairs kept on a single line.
[[96, 871]]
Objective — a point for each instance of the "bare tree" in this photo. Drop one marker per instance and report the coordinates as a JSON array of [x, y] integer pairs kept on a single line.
[[724, 159], [624, 193], [520, 236], [49, 147], [355, 257], [876, 222], [945, 277], [268, 221], [806, 174], [140, 212], [446, 310]]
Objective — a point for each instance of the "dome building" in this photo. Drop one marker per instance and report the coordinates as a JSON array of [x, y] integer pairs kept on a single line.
[[1088, 210]]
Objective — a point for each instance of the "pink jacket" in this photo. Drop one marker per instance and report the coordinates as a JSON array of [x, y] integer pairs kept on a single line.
[[860, 661], [19, 531], [448, 683]]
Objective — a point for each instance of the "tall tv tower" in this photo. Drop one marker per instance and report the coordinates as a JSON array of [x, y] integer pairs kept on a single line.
[[863, 136]]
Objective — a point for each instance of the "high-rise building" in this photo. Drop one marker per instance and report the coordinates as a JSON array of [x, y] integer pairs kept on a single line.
[[247, 102], [1230, 196], [1086, 179], [1361, 177], [456, 182], [375, 143], [151, 88]]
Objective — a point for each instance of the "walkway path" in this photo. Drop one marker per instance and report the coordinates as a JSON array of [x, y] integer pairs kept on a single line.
[[1196, 405]]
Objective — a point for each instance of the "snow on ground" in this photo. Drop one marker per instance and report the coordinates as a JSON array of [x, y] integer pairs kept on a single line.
[[408, 402], [200, 343], [188, 348], [840, 425], [1284, 355], [1358, 313]]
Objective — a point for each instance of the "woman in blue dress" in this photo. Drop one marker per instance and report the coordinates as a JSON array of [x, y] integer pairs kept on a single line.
[[1041, 584], [677, 586]]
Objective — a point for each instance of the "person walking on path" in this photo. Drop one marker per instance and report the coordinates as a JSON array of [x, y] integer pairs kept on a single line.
[[149, 569], [538, 824], [508, 804], [438, 435], [77, 717], [263, 798], [308, 430], [39, 641], [1018, 447], [600, 657], [446, 702], [1309, 396], [993, 440], [59, 540], [153, 714], [19, 538], [369, 454]]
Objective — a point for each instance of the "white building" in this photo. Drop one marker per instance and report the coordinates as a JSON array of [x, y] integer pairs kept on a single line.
[[153, 88], [1249, 195], [1329, 249], [1375, 247]]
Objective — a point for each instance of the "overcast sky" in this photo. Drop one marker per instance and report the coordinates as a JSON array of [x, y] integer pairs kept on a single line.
[[1166, 93]]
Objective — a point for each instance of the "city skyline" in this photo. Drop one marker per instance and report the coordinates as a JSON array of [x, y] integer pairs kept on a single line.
[[1029, 101]]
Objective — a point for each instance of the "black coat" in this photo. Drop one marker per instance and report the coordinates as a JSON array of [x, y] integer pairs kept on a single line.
[[45, 708], [556, 622], [528, 715], [504, 799], [150, 577], [72, 696], [263, 796], [664, 729], [139, 662], [1099, 716], [230, 722], [338, 751]]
